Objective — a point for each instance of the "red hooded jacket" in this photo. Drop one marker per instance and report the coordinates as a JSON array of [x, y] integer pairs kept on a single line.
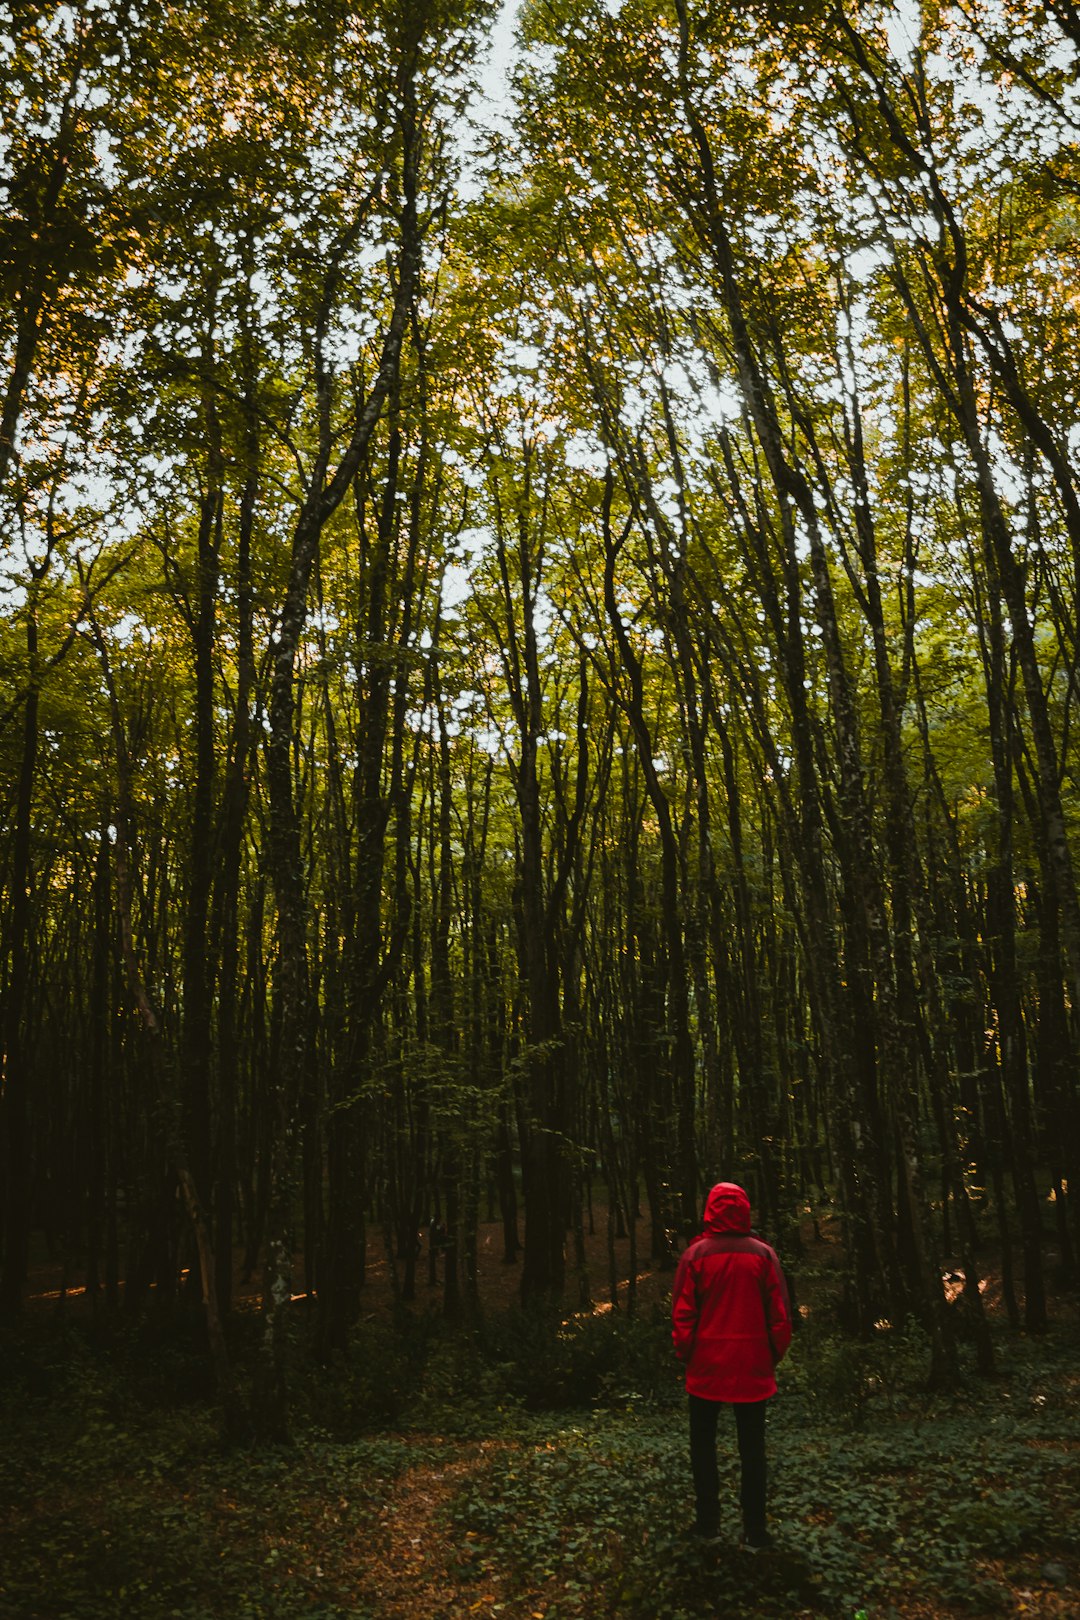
[[731, 1322]]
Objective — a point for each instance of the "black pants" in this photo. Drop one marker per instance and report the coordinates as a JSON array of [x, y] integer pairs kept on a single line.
[[750, 1428]]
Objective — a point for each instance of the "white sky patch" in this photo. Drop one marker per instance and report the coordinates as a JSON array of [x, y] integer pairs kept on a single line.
[[585, 453], [721, 403], [128, 628], [456, 585], [677, 378], [523, 356], [705, 397], [635, 406], [344, 346], [12, 589], [865, 261], [490, 741], [902, 30], [544, 615], [491, 111], [495, 98], [1008, 475], [472, 542], [666, 494]]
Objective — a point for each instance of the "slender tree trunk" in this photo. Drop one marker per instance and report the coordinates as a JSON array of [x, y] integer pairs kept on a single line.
[[15, 1089]]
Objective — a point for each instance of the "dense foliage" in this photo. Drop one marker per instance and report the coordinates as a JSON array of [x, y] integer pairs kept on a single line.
[[538, 657]]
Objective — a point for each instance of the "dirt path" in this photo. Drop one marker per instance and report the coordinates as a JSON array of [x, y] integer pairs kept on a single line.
[[413, 1569]]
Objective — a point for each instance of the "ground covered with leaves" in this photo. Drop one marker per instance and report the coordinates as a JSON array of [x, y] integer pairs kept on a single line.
[[525, 1469]]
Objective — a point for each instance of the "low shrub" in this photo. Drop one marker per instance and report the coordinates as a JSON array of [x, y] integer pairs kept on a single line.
[[375, 1384], [548, 1364]]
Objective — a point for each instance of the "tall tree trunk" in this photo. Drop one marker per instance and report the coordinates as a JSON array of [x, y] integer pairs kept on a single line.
[[15, 1089]]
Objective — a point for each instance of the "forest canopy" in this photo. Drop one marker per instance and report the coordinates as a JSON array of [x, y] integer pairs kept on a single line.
[[538, 650]]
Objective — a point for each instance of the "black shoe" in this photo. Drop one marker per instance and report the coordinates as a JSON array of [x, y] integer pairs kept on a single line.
[[701, 1537], [758, 1541]]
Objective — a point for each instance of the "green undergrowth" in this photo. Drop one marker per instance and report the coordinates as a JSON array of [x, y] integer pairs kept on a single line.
[[420, 1373], [114, 1500], [116, 1495], [882, 1496]]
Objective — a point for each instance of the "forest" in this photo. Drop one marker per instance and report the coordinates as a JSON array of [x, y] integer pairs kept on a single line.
[[539, 670]]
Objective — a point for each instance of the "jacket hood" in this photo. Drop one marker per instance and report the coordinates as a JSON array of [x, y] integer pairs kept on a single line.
[[727, 1209]]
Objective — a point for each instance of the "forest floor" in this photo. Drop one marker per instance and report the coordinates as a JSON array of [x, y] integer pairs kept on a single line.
[[530, 1470]]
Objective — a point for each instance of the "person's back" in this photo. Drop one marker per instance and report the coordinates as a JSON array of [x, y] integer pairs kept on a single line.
[[730, 1326]]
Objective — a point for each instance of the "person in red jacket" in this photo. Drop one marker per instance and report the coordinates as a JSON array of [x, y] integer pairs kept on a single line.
[[731, 1324]]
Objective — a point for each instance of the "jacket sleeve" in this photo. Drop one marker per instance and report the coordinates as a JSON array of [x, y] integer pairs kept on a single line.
[[777, 1310], [684, 1309]]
